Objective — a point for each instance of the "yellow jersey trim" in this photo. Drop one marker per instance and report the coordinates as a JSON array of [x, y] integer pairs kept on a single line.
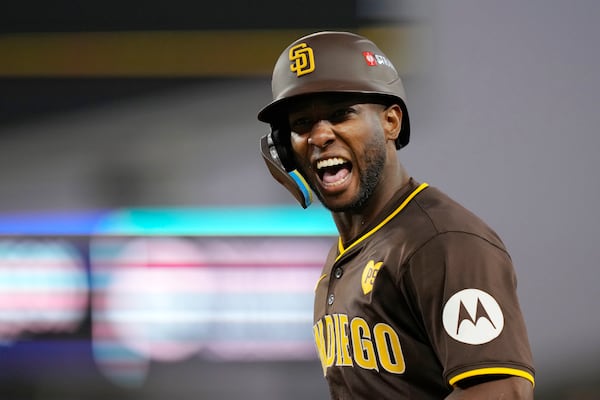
[[341, 248], [319, 281], [493, 371]]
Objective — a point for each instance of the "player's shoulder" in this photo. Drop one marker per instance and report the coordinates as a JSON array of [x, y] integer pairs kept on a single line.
[[445, 216]]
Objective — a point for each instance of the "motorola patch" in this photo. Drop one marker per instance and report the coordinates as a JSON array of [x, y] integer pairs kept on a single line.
[[472, 316]]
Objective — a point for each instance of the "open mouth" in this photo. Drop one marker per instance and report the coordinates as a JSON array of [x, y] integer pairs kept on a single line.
[[333, 171]]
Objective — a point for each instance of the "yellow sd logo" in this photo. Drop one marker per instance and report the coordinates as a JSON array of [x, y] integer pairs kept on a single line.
[[302, 59], [368, 276]]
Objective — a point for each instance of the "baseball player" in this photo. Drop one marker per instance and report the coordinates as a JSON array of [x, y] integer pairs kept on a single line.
[[418, 299]]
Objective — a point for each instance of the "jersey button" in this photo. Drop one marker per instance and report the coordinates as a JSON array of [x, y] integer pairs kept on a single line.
[[338, 273], [330, 299]]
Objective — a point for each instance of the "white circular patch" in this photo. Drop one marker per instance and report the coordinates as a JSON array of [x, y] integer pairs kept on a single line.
[[472, 316]]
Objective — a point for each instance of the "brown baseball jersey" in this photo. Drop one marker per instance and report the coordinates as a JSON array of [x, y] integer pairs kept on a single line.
[[423, 299]]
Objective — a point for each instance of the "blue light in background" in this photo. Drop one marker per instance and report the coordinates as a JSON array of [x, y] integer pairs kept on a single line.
[[220, 221], [204, 221], [50, 223]]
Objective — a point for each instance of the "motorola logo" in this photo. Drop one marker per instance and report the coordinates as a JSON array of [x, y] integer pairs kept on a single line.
[[472, 316]]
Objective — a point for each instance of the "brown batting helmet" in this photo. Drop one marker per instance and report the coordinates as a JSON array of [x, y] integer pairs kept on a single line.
[[335, 62]]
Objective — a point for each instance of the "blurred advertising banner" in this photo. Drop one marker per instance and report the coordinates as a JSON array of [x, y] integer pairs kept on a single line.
[[129, 288]]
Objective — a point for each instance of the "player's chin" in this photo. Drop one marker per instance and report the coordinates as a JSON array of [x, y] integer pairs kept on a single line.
[[339, 201]]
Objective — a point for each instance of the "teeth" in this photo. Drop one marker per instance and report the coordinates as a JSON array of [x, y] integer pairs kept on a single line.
[[330, 162]]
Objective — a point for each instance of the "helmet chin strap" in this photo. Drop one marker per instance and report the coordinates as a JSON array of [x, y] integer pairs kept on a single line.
[[293, 181]]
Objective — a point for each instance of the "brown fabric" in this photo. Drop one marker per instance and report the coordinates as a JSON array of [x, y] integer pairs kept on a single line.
[[388, 340]]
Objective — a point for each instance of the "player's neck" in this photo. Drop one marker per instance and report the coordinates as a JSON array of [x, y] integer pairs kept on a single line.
[[351, 224]]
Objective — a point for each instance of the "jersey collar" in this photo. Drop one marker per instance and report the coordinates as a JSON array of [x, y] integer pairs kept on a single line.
[[343, 250]]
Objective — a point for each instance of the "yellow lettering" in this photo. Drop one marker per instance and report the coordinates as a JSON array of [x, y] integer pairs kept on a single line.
[[372, 349], [330, 346], [320, 343], [389, 349], [343, 350], [362, 346]]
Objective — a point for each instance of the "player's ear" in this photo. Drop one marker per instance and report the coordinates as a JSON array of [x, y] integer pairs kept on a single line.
[[392, 121]]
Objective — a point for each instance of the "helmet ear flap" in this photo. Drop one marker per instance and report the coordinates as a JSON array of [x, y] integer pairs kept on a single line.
[[404, 136], [279, 161], [281, 139]]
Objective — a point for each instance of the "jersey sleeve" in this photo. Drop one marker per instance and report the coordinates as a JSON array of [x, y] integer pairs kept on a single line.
[[465, 289]]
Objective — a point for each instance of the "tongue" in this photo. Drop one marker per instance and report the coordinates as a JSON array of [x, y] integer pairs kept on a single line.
[[332, 176]]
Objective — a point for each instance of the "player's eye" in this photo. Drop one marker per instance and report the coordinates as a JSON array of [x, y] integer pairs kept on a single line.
[[301, 125], [341, 114]]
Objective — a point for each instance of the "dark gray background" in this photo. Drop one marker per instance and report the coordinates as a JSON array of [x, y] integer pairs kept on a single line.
[[505, 120]]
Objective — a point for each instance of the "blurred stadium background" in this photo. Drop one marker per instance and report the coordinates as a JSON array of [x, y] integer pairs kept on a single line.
[[145, 252]]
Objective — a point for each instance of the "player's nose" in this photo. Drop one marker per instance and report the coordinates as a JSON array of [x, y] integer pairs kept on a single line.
[[321, 134]]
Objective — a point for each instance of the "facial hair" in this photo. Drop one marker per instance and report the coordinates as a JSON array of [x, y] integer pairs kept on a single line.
[[375, 159]]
